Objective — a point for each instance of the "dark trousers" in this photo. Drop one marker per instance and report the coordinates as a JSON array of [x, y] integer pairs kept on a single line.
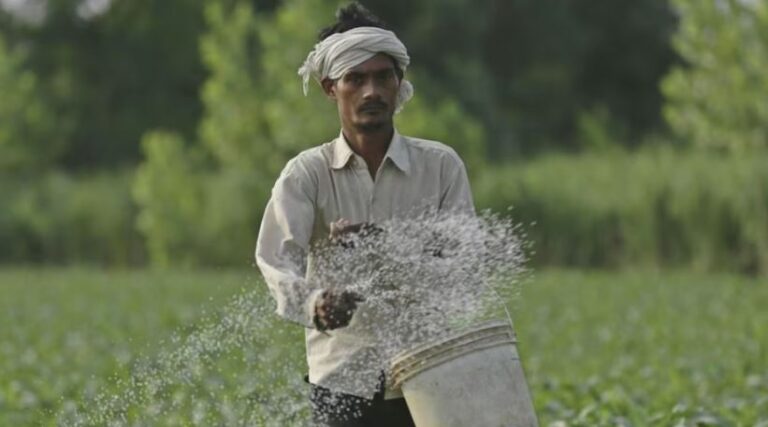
[[334, 409]]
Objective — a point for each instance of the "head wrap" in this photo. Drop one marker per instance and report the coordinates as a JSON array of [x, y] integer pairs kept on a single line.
[[340, 52]]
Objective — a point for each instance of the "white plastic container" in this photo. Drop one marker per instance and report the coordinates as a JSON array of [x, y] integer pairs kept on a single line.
[[472, 378]]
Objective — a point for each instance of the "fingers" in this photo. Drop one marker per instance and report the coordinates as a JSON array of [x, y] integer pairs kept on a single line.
[[339, 227], [335, 309], [334, 319], [351, 298]]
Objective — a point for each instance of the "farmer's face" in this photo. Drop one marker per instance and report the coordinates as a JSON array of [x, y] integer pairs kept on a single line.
[[365, 96]]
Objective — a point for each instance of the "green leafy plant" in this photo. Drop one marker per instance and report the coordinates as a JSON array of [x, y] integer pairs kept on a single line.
[[718, 98]]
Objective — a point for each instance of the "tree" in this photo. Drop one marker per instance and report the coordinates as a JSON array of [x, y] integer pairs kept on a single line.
[[528, 70], [169, 191], [110, 77], [718, 98], [28, 135]]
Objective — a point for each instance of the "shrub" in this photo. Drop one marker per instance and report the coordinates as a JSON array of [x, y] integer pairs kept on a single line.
[[191, 213], [60, 218], [656, 207], [168, 191], [718, 98], [29, 136]]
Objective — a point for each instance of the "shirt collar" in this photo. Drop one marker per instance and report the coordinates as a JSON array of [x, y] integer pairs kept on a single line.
[[397, 152]]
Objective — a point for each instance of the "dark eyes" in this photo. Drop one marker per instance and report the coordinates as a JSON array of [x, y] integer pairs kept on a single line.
[[355, 79], [385, 76], [380, 77]]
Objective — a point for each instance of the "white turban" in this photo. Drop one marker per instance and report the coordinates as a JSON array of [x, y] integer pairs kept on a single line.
[[340, 52]]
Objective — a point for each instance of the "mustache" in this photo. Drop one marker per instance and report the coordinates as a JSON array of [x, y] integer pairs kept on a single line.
[[373, 105]]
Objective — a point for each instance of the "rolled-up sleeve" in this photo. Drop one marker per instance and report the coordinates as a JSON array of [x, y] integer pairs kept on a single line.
[[283, 244]]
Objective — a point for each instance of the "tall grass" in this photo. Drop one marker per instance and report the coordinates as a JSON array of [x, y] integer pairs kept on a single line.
[[62, 218], [655, 207]]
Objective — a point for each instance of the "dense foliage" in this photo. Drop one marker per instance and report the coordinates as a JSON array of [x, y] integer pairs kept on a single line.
[[28, 141], [526, 70], [60, 218], [659, 206], [529, 69], [655, 207], [110, 76], [718, 99], [201, 98]]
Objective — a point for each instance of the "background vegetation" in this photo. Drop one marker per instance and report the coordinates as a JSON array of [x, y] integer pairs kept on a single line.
[[624, 136], [135, 132], [613, 363], [125, 127]]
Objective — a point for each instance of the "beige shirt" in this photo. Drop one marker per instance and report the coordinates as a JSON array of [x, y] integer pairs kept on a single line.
[[322, 185]]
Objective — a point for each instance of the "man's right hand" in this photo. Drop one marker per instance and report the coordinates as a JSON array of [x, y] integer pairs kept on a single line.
[[334, 309]]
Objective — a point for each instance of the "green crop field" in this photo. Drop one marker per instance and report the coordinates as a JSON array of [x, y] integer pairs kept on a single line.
[[600, 349]]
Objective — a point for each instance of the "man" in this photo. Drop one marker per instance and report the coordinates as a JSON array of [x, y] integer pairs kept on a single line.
[[368, 174]]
